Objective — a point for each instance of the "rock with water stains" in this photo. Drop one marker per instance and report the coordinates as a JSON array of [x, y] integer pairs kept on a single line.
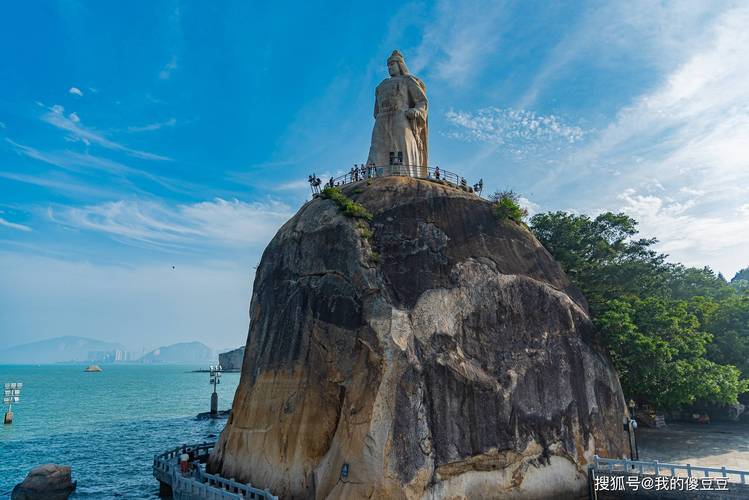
[[434, 352]]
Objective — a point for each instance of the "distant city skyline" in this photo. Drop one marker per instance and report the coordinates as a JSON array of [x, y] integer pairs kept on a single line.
[[149, 151]]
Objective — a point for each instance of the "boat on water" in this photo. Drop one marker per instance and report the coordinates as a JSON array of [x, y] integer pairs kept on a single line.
[[93, 368]]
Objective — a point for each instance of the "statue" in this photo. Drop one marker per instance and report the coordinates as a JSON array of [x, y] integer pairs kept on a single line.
[[400, 131]]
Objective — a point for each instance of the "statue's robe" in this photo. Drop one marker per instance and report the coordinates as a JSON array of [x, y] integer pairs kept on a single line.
[[394, 131]]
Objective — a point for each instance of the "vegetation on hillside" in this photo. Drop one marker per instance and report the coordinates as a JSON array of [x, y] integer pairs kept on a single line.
[[679, 336], [346, 204], [506, 206]]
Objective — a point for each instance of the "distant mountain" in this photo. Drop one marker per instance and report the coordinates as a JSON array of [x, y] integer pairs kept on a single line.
[[184, 352], [55, 350]]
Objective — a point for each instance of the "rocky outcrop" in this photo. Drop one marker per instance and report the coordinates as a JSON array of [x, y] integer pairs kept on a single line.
[[434, 352], [231, 360], [45, 482]]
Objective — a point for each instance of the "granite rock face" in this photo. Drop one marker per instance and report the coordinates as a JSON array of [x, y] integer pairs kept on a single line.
[[231, 360], [45, 482], [443, 355]]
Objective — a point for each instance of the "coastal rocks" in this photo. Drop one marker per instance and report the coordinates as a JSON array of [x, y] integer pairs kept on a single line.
[[434, 352], [45, 482], [232, 360]]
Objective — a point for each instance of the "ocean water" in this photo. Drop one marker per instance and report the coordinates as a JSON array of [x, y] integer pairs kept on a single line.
[[106, 425]]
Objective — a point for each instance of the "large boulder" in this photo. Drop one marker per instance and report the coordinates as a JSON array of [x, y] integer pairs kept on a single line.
[[435, 352], [45, 482]]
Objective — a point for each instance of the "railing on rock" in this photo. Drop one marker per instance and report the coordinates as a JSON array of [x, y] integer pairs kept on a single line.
[[363, 172], [656, 468], [198, 484]]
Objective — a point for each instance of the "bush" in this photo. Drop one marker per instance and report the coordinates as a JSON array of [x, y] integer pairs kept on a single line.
[[364, 231], [506, 206], [349, 206]]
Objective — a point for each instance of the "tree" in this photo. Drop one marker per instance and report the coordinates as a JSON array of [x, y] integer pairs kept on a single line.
[[506, 205], [741, 280], [674, 333], [728, 322], [685, 282], [601, 255]]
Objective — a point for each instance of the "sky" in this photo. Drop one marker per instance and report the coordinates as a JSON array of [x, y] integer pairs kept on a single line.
[[150, 150]]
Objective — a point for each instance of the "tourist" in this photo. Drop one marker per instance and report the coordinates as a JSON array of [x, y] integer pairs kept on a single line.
[[184, 462], [437, 172]]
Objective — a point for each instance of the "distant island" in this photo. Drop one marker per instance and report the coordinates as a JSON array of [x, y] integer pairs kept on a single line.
[[56, 350], [71, 349], [183, 352]]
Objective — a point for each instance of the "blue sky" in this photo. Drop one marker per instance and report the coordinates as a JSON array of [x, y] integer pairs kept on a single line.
[[143, 135]]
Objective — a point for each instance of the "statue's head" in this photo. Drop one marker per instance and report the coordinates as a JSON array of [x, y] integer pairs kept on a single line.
[[396, 64]]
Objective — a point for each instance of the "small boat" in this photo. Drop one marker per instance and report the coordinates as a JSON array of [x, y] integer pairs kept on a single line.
[[93, 368]]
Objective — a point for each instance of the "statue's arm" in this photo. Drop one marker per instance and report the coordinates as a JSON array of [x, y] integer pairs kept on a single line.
[[376, 106], [419, 99]]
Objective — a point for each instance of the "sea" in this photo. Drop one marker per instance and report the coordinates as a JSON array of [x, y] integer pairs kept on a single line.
[[106, 425]]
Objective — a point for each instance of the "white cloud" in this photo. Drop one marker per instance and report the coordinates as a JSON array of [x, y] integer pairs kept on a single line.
[[2, 125], [154, 126], [61, 184], [57, 118], [655, 35], [532, 208], [455, 42], [689, 234], [76, 91], [13, 225], [166, 72], [74, 118], [519, 131], [683, 146], [82, 162], [217, 222]]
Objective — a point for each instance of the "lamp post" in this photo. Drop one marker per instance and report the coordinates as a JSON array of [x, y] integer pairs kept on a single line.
[[215, 379], [630, 425], [11, 394]]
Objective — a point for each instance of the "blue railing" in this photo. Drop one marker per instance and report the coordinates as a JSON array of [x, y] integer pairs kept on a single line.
[[198, 483]]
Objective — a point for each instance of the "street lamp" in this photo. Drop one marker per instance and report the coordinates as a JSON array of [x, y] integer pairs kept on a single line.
[[630, 425], [11, 394], [215, 379]]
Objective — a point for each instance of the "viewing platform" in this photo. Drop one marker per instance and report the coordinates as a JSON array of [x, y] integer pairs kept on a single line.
[[364, 172], [195, 483]]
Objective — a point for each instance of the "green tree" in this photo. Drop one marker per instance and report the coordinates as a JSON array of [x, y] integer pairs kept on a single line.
[[506, 205], [602, 256], [728, 322], [685, 282], [741, 280], [673, 332]]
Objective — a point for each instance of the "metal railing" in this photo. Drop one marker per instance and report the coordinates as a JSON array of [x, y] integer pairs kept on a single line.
[[624, 466], [198, 483], [362, 172]]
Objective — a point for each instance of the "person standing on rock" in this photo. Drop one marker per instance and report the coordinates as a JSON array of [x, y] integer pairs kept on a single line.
[[400, 114]]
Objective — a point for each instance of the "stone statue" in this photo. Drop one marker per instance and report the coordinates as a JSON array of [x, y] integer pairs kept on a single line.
[[401, 128]]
